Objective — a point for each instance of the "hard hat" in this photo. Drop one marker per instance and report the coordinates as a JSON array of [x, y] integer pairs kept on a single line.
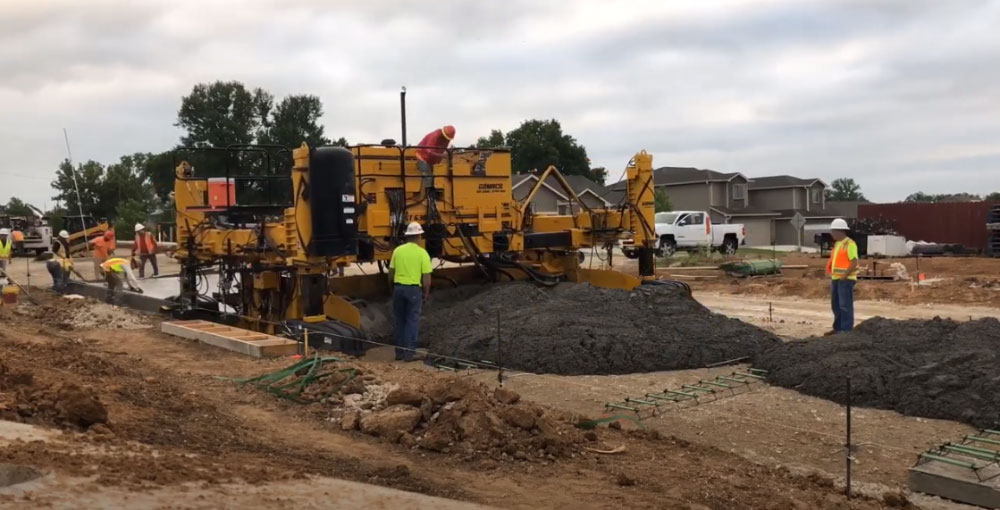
[[63, 234], [448, 132], [414, 229], [138, 227], [6, 231], [839, 224]]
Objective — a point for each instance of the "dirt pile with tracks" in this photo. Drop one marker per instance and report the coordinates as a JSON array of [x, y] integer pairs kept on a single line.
[[64, 404], [577, 329], [933, 368]]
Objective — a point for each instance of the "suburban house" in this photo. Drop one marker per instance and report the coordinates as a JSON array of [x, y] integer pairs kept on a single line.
[[551, 198], [764, 205]]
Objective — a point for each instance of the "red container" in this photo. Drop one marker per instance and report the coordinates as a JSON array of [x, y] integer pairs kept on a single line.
[[221, 192], [943, 222]]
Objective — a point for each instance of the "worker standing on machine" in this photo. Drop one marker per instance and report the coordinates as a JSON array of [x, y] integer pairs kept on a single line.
[[145, 244], [410, 274], [843, 270], [433, 149], [114, 270]]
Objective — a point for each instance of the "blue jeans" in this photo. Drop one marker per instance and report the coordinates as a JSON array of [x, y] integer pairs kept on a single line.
[[406, 303], [842, 301]]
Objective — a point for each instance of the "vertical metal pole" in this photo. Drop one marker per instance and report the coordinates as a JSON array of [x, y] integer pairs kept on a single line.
[[402, 112], [770, 312], [79, 202], [850, 455], [499, 351]]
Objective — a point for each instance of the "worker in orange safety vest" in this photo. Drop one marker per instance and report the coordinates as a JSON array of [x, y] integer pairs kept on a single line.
[[102, 250], [145, 245], [843, 270]]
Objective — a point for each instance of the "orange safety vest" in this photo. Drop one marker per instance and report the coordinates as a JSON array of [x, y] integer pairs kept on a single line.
[[146, 240], [839, 259], [116, 265], [18, 236]]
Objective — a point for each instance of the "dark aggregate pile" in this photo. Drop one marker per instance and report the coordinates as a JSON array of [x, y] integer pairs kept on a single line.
[[579, 329], [933, 368]]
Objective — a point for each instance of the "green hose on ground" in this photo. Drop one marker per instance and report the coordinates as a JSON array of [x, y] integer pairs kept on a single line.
[[292, 390]]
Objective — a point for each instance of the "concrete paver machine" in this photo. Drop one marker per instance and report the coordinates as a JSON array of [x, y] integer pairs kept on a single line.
[[279, 238]]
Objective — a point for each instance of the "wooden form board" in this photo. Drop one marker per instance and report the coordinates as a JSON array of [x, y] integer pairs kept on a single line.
[[243, 341]]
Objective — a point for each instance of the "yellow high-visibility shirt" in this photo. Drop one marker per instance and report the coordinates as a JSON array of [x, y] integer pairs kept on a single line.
[[409, 262], [5, 249]]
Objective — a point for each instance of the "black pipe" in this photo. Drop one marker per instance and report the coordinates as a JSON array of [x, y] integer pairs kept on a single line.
[[402, 112]]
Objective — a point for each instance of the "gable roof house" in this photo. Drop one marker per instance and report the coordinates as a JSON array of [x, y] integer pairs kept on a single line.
[[551, 198], [764, 205]]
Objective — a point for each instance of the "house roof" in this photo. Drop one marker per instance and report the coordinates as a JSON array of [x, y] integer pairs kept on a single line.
[[814, 213], [579, 183], [745, 211], [675, 175], [781, 181]]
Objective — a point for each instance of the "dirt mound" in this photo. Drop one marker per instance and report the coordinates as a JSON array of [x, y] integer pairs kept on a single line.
[[937, 368], [456, 415], [65, 313], [64, 404], [579, 329]]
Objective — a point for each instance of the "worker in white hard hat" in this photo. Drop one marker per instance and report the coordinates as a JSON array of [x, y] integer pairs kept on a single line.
[[843, 270], [6, 248], [410, 275], [62, 264], [145, 244]]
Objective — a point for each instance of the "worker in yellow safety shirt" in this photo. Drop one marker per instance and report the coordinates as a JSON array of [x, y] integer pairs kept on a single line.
[[410, 275], [62, 264], [6, 248], [115, 269], [843, 270]]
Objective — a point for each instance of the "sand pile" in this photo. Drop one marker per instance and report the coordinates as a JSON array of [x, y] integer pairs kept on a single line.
[[936, 369], [579, 329]]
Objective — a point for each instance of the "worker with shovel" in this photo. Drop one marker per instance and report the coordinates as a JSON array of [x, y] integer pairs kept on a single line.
[[61, 267], [843, 270], [114, 270]]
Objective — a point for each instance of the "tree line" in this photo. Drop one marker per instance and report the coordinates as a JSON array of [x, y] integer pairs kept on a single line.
[[845, 189]]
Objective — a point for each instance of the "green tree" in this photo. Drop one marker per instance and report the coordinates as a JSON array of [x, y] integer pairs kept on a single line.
[[89, 176], [495, 139], [295, 120], [845, 189], [127, 214], [993, 197], [920, 196], [662, 201], [536, 144], [223, 113], [18, 207]]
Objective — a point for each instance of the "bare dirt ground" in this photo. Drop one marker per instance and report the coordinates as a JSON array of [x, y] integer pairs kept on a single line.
[[180, 434]]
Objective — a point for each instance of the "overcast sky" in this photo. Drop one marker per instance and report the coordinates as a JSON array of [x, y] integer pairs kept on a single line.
[[900, 95]]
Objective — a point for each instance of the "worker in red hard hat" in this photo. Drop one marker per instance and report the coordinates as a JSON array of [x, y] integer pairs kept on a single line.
[[433, 149]]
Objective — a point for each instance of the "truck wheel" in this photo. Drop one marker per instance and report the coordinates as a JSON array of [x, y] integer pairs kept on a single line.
[[729, 246], [668, 247]]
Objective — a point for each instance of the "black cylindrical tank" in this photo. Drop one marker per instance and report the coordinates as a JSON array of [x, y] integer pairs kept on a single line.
[[332, 202]]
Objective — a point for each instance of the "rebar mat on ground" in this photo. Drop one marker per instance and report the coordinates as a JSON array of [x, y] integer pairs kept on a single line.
[[688, 395], [974, 452]]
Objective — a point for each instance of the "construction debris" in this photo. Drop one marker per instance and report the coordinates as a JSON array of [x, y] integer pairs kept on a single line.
[[579, 329]]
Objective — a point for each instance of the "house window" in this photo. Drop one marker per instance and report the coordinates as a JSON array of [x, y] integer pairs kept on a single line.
[[739, 191], [817, 193]]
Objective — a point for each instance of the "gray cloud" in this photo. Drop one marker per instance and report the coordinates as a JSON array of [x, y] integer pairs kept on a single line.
[[900, 94]]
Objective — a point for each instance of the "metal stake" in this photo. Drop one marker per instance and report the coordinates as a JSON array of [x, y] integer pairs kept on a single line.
[[849, 456], [770, 312], [499, 352]]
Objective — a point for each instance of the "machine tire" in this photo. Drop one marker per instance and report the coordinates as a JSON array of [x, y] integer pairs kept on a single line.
[[668, 247], [630, 253], [729, 246]]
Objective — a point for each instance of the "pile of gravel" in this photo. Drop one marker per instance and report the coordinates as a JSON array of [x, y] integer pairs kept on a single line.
[[933, 368], [579, 329]]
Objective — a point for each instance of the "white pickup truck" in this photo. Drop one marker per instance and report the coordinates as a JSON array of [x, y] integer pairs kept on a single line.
[[693, 230]]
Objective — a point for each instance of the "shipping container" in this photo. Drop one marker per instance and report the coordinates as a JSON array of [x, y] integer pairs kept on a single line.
[[946, 222]]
